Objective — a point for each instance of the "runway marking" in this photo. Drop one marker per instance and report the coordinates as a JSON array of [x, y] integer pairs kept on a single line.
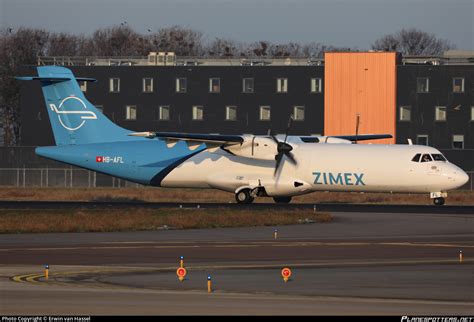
[[246, 245]]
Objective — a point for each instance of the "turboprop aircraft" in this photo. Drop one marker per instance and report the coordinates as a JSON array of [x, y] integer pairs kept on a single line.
[[249, 166]]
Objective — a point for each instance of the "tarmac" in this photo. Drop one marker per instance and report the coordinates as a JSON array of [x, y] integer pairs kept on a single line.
[[359, 264]]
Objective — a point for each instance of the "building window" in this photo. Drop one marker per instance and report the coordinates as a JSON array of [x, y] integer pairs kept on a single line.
[[114, 85], [298, 113], [148, 85], [214, 85], [422, 139], [131, 112], [181, 86], [83, 86], [248, 85], [405, 113], [265, 113], [422, 85], [458, 141], [316, 85], [231, 113], [472, 113], [440, 113], [198, 113], [458, 85], [164, 113], [282, 85], [100, 108]]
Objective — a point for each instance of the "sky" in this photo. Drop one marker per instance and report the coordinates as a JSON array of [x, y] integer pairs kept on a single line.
[[351, 23]]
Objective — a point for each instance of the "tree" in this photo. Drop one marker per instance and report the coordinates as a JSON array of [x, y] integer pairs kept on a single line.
[[412, 42], [116, 41], [182, 41], [17, 48], [221, 47]]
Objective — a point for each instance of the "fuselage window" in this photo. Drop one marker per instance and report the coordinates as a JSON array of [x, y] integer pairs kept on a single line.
[[438, 157], [426, 158], [416, 158]]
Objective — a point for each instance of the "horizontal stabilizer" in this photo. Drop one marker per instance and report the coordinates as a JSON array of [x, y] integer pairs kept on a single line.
[[55, 79]]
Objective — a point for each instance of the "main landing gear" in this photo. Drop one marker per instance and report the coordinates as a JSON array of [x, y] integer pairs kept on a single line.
[[244, 196], [438, 201], [247, 196], [282, 199]]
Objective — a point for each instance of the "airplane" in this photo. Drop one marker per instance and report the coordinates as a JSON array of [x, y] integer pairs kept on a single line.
[[250, 166]]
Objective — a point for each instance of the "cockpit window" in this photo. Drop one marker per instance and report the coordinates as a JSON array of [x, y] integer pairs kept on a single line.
[[416, 158], [439, 157], [309, 139], [426, 158]]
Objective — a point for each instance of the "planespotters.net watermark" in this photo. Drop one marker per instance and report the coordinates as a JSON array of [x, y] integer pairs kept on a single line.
[[437, 319]]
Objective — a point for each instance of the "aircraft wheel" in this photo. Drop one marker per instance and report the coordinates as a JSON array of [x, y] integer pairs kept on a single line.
[[243, 196], [438, 201], [282, 199]]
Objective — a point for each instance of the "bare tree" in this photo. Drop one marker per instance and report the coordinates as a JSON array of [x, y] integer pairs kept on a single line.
[[17, 48], [116, 41], [182, 41], [412, 42], [221, 47]]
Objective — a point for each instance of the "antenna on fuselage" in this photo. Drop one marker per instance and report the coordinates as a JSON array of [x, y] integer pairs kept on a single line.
[[357, 127]]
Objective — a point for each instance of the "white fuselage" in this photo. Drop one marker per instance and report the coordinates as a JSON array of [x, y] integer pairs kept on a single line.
[[322, 167]]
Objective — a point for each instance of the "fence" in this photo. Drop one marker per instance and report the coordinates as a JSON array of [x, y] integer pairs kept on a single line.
[[59, 177], [74, 177]]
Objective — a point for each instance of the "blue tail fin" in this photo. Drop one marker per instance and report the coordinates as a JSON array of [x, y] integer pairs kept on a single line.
[[73, 118]]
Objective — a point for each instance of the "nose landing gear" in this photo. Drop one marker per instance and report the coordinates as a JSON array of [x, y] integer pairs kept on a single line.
[[438, 201], [438, 197]]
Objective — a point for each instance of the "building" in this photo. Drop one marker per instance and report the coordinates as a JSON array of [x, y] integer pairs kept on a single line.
[[426, 99]]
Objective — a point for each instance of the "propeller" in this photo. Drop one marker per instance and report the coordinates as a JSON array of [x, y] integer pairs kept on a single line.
[[283, 148]]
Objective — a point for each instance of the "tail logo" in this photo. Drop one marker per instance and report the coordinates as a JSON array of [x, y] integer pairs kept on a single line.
[[72, 115]]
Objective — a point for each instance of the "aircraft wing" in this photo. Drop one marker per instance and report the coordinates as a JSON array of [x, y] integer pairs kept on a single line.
[[363, 137], [193, 139]]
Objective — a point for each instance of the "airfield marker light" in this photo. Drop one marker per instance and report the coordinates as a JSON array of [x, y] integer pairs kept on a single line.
[[460, 256], [46, 271], [275, 234], [181, 261], [209, 284], [286, 273], [181, 272]]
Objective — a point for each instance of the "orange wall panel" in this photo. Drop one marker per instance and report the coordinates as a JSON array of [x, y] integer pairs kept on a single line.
[[364, 84]]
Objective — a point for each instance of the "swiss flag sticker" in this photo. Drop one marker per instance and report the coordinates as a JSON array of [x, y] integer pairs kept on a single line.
[[99, 159]]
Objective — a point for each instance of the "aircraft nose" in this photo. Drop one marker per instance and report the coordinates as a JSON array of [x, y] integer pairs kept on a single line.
[[459, 176], [462, 177]]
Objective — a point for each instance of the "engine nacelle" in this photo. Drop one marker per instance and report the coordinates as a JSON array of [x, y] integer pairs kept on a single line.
[[255, 147]]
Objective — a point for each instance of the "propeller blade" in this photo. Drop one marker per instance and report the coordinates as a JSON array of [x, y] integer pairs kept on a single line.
[[291, 157], [278, 158], [290, 120], [275, 139]]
